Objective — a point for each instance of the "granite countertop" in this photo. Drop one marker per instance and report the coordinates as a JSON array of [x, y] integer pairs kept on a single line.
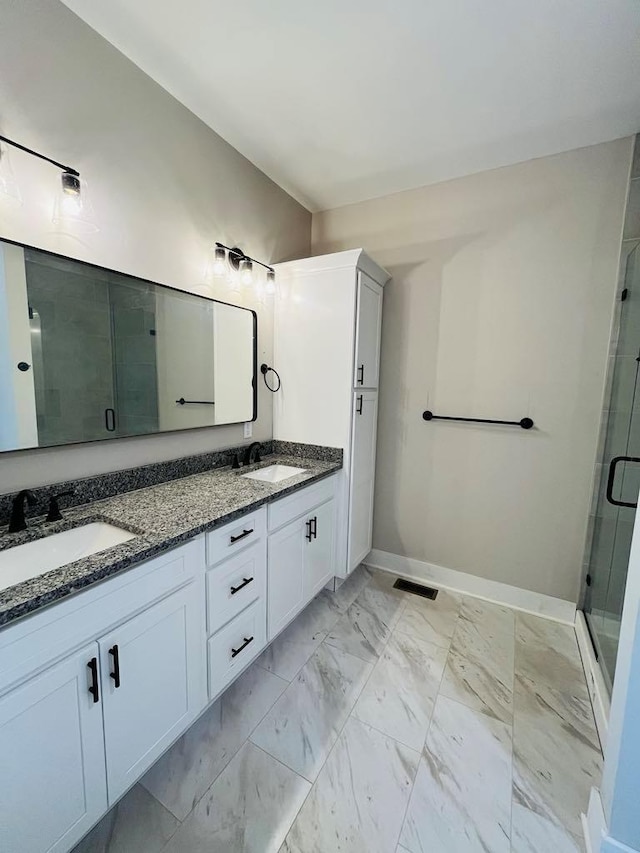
[[161, 516]]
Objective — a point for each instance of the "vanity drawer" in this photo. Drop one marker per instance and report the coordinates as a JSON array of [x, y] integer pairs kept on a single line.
[[239, 642], [236, 535], [300, 502], [234, 584]]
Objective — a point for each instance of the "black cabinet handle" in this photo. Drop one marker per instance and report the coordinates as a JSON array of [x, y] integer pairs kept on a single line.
[[245, 582], [240, 536], [115, 654], [314, 528], [247, 640], [612, 476], [94, 689], [361, 375], [110, 420], [359, 404], [309, 534]]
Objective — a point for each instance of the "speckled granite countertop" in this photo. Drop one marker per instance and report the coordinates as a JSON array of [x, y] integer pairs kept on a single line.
[[162, 516]]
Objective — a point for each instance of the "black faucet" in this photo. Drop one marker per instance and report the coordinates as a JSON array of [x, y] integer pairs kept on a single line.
[[54, 513], [249, 453], [17, 522]]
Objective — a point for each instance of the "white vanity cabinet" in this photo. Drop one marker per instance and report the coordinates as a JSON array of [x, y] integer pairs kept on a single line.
[[327, 324], [52, 758], [95, 688], [301, 551], [92, 692], [236, 597], [148, 696]]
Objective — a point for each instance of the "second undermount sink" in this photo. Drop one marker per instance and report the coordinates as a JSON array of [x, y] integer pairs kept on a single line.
[[23, 562], [274, 473]]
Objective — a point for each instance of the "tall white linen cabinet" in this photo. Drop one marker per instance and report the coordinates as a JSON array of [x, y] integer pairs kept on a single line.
[[327, 321]]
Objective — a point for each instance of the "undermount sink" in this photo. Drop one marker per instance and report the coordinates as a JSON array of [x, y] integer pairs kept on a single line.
[[274, 473], [35, 558]]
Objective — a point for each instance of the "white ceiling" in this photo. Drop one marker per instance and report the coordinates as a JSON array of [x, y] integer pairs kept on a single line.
[[343, 100]]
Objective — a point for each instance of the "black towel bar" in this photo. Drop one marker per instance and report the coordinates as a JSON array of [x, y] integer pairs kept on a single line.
[[525, 423], [183, 402]]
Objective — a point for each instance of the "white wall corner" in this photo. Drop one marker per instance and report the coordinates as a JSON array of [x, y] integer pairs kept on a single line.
[[593, 823], [520, 599], [594, 827]]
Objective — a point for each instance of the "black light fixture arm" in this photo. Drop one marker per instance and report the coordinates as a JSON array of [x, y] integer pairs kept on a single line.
[[68, 169], [241, 255]]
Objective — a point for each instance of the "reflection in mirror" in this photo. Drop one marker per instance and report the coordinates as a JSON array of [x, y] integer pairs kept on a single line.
[[87, 353]]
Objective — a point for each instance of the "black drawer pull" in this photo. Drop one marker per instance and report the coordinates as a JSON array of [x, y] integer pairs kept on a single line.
[[245, 582], [314, 529], [247, 640], [115, 654], [240, 536], [93, 689], [359, 404], [361, 375], [309, 535]]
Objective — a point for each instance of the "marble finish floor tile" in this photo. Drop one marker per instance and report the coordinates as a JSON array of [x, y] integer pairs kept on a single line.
[[305, 722], [541, 706], [359, 799], [556, 755], [351, 588], [400, 695], [479, 671], [248, 809], [461, 800], [433, 621], [289, 652], [137, 822], [532, 833], [183, 774], [547, 653], [367, 624]]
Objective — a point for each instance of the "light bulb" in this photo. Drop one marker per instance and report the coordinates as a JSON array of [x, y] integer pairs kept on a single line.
[[246, 271], [9, 188], [72, 209], [219, 261], [271, 282]]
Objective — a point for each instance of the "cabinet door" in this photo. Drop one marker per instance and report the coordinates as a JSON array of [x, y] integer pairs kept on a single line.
[[285, 587], [154, 685], [362, 479], [368, 325], [319, 553], [52, 758]]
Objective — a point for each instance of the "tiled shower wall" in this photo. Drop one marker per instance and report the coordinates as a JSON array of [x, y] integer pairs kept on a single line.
[[619, 403]]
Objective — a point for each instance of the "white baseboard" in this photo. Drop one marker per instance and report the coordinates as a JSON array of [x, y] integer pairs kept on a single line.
[[595, 681], [502, 593]]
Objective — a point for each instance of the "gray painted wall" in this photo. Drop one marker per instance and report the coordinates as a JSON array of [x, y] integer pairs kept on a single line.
[[164, 187], [500, 306]]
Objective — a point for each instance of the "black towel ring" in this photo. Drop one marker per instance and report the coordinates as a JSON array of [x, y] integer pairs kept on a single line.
[[264, 369]]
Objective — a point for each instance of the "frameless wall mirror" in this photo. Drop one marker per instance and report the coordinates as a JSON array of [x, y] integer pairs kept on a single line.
[[87, 354]]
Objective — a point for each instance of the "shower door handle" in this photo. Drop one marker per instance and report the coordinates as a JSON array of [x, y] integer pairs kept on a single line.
[[612, 476]]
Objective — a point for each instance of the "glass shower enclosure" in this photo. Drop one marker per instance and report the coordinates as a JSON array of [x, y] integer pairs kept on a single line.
[[619, 480]]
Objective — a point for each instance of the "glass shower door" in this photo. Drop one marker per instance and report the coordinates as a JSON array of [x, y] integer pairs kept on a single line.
[[612, 526]]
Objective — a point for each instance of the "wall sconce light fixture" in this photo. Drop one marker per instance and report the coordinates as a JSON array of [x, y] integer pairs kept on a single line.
[[239, 264], [72, 205]]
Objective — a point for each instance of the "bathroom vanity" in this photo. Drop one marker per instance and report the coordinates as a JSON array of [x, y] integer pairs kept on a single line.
[[97, 685], [123, 620]]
